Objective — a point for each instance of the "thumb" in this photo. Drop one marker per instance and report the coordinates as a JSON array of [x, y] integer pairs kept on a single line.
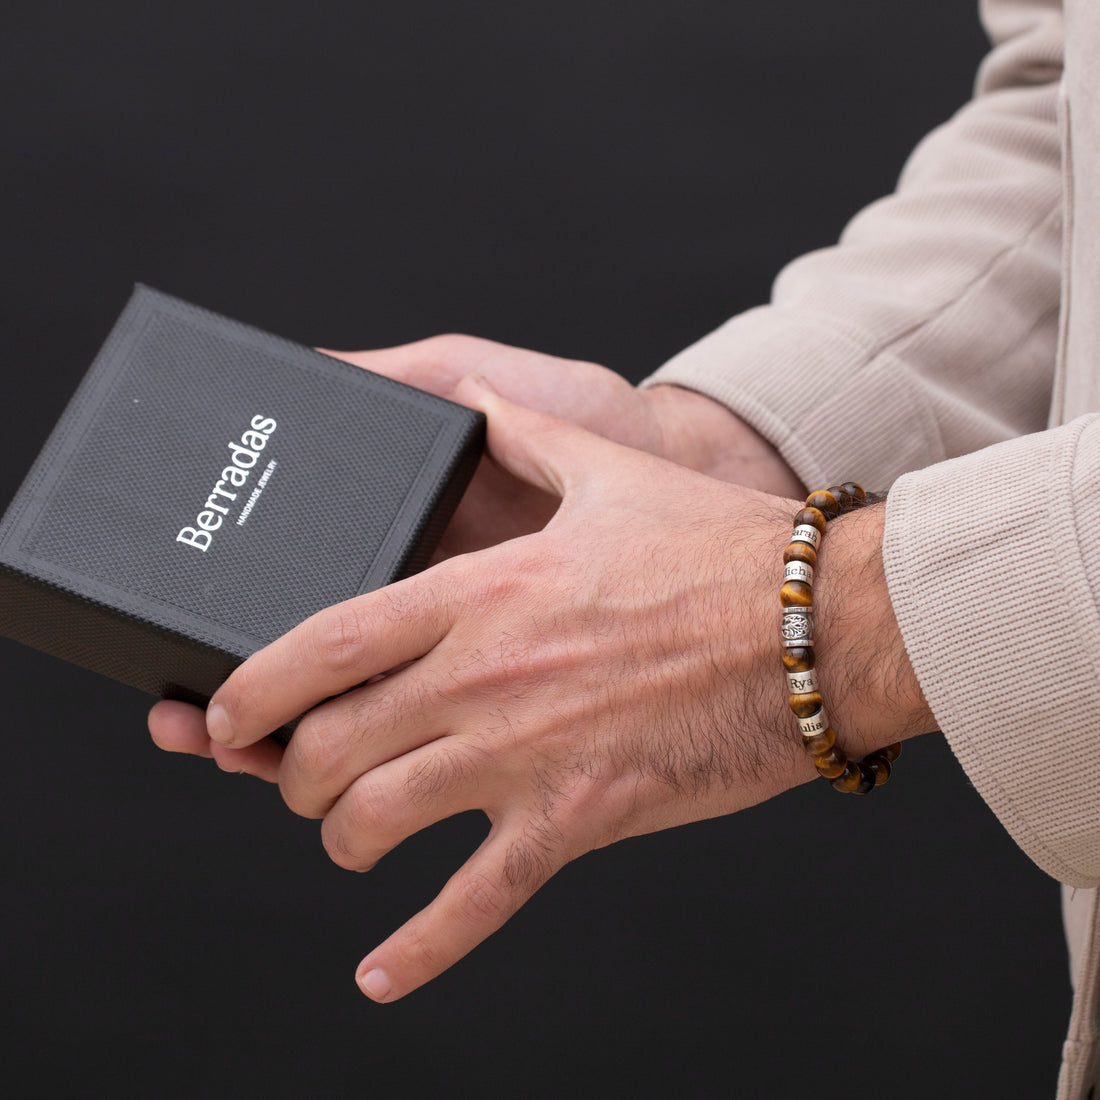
[[540, 449]]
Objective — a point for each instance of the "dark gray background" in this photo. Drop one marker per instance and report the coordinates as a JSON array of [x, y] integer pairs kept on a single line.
[[595, 179]]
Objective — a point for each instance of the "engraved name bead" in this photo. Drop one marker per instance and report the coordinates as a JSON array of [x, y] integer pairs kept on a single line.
[[812, 726], [807, 534], [802, 683], [798, 571]]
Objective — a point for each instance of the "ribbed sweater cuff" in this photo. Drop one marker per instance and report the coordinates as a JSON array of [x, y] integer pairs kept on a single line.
[[978, 552], [789, 373]]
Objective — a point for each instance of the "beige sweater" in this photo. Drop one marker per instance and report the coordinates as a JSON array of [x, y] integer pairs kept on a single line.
[[949, 346]]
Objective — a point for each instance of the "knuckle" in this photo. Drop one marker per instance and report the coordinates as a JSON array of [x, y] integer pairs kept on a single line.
[[453, 345], [299, 800], [419, 953], [354, 836], [368, 813], [340, 637], [343, 847], [484, 899], [501, 584], [314, 759], [430, 779], [336, 843]]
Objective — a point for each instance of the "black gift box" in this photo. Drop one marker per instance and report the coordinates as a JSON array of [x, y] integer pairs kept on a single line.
[[209, 486]]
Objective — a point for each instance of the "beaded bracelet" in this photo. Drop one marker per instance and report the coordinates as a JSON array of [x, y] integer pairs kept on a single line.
[[796, 596]]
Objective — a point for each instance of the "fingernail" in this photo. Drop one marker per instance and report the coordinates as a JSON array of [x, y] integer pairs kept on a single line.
[[217, 724], [376, 985]]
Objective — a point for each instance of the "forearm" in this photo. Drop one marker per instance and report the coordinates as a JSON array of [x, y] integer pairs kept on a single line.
[[704, 435], [930, 330]]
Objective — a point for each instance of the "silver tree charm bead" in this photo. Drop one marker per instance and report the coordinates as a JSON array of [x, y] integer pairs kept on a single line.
[[798, 627]]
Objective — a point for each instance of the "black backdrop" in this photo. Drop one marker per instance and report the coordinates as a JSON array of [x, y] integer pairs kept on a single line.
[[595, 179]]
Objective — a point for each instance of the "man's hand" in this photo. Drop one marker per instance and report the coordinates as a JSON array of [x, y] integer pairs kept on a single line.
[[674, 423], [613, 674]]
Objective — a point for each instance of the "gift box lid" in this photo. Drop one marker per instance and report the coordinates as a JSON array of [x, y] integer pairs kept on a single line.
[[210, 485]]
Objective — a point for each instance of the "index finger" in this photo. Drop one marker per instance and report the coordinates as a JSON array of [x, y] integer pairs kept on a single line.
[[330, 652]]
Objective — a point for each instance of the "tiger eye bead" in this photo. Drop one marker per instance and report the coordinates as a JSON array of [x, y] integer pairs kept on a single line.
[[796, 594], [811, 517], [824, 502], [805, 705], [832, 763], [820, 742], [849, 780], [867, 780], [879, 765], [796, 634], [800, 551], [798, 659]]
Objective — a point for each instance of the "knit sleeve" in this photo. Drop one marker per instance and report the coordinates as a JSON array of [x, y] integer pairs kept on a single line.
[[992, 564], [930, 329]]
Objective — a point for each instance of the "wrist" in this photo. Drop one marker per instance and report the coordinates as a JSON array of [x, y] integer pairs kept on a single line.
[[702, 434], [870, 690]]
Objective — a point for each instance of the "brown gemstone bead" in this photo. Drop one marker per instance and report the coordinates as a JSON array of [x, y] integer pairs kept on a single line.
[[849, 780], [891, 752], [831, 763], [856, 492], [811, 517], [798, 659], [805, 705], [818, 743], [879, 765], [796, 594], [800, 551], [844, 500], [866, 781], [824, 502]]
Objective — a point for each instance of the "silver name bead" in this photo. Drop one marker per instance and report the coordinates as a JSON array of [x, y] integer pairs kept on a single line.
[[799, 571], [815, 724], [797, 628], [802, 683], [806, 532]]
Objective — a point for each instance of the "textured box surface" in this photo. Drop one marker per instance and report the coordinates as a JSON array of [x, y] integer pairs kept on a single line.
[[211, 485]]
